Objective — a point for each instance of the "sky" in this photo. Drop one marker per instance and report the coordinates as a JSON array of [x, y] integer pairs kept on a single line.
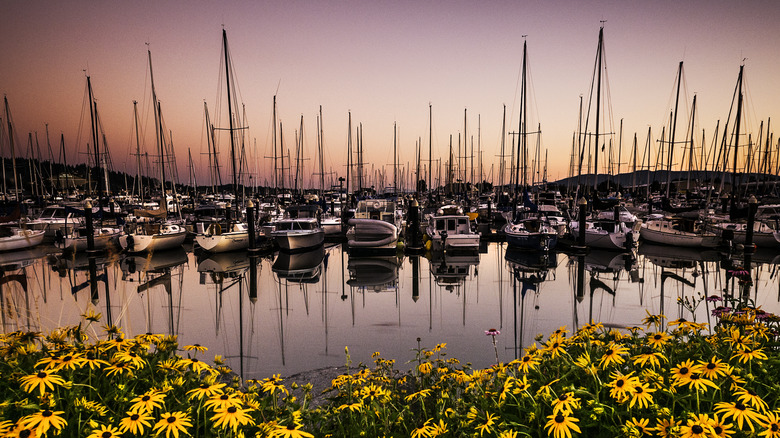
[[384, 62]]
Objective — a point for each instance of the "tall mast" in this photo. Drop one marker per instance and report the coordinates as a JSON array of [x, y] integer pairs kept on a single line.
[[736, 143], [95, 144], [230, 117], [13, 152], [502, 163], [674, 129], [138, 153], [349, 153], [599, 53], [395, 158], [690, 155], [430, 146], [322, 155], [276, 165]]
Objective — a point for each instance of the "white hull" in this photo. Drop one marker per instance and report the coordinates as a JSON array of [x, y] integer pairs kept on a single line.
[[152, 242], [21, 239], [763, 236], [232, 241], [655, 232], [103, 237], [294, 240], [457, 242]]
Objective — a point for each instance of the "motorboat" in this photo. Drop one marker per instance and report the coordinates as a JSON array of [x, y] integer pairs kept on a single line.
[[297, 234], [450, 231], [374, 228], [15, 238], [215, 239]]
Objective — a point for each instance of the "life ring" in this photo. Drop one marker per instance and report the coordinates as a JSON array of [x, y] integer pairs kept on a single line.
[[174, 228], [215, 229], [377, 204]]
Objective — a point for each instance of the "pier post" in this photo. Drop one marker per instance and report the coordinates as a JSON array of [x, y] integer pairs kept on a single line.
[[583, 212], [751, 221], [90, 227], [250, 219]]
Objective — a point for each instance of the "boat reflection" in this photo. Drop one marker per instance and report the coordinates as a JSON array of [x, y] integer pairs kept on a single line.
[[300, 267], [376, 274], [450, 271]]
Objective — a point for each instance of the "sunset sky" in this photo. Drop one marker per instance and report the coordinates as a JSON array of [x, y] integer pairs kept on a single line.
[[385, 62]]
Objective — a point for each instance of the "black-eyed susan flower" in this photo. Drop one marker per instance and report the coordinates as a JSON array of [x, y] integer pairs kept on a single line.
[[641, 395], [700, 383], [771, 425], [352, 407], [565, 404], [119, 368], [135, 422], [649, 357], [172, 423], [658, 340], [714, 368], [423, 431], [44, 420], [41, 380], [721, 428], [555, 346], [665, 427], [641, 425], [373, 392], [682, 372], [148, 402], [131, 358], [613, 355], [105, 431], [739, 413], [207, 390], [748, 354], [21, 431], [274, 384], [527, 363], [622, 386], [289, 431], [196, 347], [751, 398], [194, 364], [560, 425], [698, 426], [231, 417], [223, 401]]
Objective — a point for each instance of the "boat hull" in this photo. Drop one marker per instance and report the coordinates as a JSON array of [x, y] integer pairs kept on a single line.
[[21, 239], [298, 240], [152, 242], [655, 233], [232, 241]]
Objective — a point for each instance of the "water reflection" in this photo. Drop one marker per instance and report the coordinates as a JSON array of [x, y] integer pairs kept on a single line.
[[285, 313]]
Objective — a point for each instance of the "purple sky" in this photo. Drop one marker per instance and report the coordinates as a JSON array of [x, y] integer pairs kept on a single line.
[[384, 62]]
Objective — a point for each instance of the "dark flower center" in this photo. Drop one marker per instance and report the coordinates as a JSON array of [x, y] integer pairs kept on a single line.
[[697, 429], [107, 434], [559, 419], [751, 392], [526, 358], [774, 427], [232, 410], [204, 386], [684, 370], [145, 398], [25, 433], [563, 397], [134, 417], [609, 352], [639, 389], [223, 397], [42, 375], [194, 360], [67, 358], [619, 383], [171, 419], [556, 345], [740, 406], [657, 337], [711, 366], [717, 430], [47, 413]]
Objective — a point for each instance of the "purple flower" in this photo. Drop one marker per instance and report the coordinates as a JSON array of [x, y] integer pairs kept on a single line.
[[714, 298], [492, 332]]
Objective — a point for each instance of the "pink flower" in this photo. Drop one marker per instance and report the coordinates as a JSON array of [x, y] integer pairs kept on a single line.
[[492, 332]]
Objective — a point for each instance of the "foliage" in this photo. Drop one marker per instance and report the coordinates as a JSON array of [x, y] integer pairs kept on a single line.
[[671, 378]]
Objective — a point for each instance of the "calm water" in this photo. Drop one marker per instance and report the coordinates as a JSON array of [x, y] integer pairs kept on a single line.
[[285, 314]]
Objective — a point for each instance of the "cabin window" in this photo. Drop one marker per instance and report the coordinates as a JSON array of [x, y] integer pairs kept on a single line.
[[450, 224]]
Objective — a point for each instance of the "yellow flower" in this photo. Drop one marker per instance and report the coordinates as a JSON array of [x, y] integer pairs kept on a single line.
[[739, 412], [148, 401], [196, 347], [640, 425], [720, 428], [135, 422], [223, 401], [622, 386], [561, 425], [555, 346], [748, 354], [613, 355], [423, 431], [665, 427], [290, 431], [41, 381], [682, 372], [527, 363], [565, 404], [658, 340], [698, 426], [695, 380], [273, 384], [120, 368], [641, 395], [105, 432], [231, 417], [771, 425], [172, 423], [425, 367], [205, 390], [714, 368], [43, 420], [653, 358], [196, 365], [749, 397], [353, 407]]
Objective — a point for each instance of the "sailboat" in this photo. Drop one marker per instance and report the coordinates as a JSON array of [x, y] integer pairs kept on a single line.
[[534, 230], [235, 235], [159, 234]]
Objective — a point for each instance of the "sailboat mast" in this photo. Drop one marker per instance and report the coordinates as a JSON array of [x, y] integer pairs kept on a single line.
[[96, 146], [690, 155], [395, 158], [322, 155], [736, 143], [599, 53], [674, 130], [11, 143], [138, 153], [230, 118], [430, 146]]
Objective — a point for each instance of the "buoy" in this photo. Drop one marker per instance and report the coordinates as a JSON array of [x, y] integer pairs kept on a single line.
[[428, 245]]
